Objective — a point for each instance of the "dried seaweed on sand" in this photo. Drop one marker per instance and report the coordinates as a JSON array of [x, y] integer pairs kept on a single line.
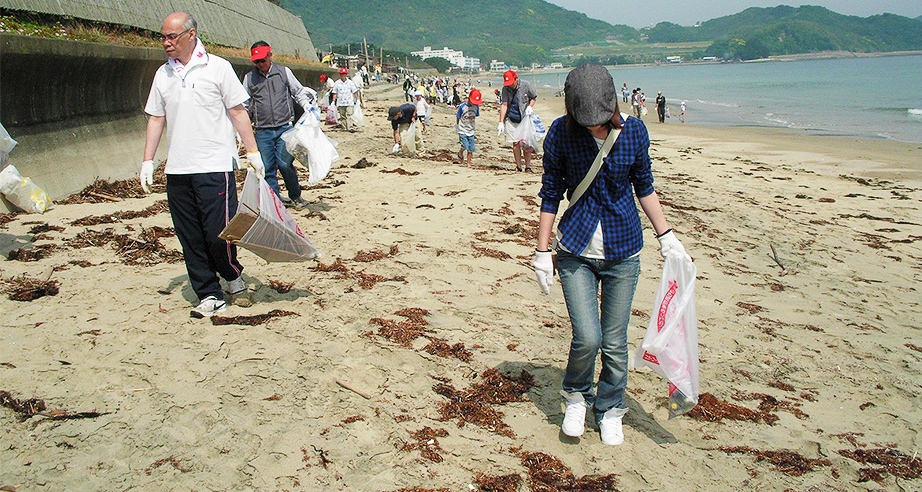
[[34, 253], [894, 462], [473, 405], [548, 474], [157, 208], [28, 289], [31, 407], [253, 320], [787, 462], [426, 440], [710, 409]]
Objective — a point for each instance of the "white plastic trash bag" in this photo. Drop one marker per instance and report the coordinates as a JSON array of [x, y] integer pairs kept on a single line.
[[263, 225], [357, 116], [22, 192], [408, 140], [6, 145], [526, 134], [670, 346], [307, 143]]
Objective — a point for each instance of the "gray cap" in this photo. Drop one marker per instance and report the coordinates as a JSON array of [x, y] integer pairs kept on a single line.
[[590, 94]]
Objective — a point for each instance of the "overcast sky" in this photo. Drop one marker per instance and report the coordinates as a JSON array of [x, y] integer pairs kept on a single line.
[[688, 12]]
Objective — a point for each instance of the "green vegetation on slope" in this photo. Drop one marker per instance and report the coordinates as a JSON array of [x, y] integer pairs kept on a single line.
[[516, 32]]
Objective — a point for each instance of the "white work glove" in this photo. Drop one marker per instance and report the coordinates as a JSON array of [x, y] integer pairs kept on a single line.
[[670, 245], [500, 128], [529, 111], [146, 175], [255, 161], [396, 148], [544, 270]]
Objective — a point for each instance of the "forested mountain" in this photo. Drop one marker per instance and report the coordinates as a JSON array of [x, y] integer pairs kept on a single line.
[[759, 32], [516, 32]]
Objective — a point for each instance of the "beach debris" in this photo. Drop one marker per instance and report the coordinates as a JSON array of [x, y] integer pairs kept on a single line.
[[403, 332], [769, 403], [401, 171], [34, 253], [774, 256], [913, 347], [102, 191], [353, 389], [24, 288], [172, 461], [426, 441], [787, 462], [473, 404], [31, 407], [322, 458], [363, 256], [365, 280], [8, 217], [44, 227], [281, 287], [438, 346], [146, 251], [253, 320], [894, 462], [275, 397], [158, 207], [363, 163], [711, 409], [548, 473], [417, 488], [492, 253], [500, 483], [440, 155], [752, 308]]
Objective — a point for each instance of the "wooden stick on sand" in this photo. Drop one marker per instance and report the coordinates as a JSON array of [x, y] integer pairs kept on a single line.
[[774, 256]]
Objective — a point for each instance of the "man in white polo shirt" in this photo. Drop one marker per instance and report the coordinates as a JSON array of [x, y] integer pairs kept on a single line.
[[198, 98]]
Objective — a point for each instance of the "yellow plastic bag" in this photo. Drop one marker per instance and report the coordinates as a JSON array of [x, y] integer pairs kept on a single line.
[[22, 192]]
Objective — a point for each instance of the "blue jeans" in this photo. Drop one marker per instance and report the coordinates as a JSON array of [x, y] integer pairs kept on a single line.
[[580, 278], [276, 158]]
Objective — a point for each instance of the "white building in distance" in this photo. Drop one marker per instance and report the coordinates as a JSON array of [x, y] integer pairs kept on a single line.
[[467, 63]]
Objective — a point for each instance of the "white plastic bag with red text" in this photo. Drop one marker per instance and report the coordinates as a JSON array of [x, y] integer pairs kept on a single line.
[[670, 346]]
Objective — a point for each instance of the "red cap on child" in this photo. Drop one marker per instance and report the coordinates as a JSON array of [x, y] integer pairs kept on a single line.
[[476, 97]]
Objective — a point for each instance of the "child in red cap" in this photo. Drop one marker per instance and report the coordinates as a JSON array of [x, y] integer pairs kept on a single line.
[[467, 113]]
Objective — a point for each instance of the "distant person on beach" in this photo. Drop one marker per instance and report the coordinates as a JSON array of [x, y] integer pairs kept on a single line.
[[359, 83], [327, 89], [661, 106], [598, 240], [516, 102], [466, 124], [271, 88], [682, 111], [637, 102], [401, 118], [408, 88], [345, 95], [624, 96], [198, 99], [422, 111]]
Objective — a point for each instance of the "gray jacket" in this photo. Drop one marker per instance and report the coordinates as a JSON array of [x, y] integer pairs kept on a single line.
[[270, 103]]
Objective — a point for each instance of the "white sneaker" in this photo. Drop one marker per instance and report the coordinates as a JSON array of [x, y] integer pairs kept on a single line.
[[610, 426], [208, 306], [574, 418]]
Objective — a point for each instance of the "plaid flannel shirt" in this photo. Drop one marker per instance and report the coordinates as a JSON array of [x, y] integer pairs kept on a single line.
[[567, 159]]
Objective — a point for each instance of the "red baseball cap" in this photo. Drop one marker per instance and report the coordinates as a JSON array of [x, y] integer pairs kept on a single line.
[[323, 77], [476, 97], [259, 53], [344, 70], [509, 77]]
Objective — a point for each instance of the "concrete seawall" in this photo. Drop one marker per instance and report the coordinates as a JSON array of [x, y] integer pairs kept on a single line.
[[225, 22], [76, 108]]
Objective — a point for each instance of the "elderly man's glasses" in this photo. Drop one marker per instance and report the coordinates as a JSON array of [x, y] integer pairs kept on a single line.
[[260, 61], [172, 36]]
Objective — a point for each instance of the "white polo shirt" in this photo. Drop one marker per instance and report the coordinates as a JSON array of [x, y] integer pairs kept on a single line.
[[199, 130]]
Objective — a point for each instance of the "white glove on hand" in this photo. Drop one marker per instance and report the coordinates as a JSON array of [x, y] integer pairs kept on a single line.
[[544, 270], [500, 128], [670, 245], [146, 175], [396, 148], [255, 161], [529, 111]]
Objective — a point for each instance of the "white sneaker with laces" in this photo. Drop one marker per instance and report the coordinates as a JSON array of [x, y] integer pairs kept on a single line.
[[208, 306], [610, 426], [574, 418]]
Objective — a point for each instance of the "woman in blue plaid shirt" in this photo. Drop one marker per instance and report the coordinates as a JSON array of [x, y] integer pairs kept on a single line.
[[598, 241]]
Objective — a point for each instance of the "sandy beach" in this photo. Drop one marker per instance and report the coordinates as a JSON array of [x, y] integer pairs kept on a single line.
[[373, 370]]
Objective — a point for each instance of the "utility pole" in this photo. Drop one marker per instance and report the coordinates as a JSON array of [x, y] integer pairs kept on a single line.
[[365, 44]]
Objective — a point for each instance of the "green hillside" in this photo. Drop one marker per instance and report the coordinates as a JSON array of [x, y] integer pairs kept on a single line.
[[760, 32], [516, 32]]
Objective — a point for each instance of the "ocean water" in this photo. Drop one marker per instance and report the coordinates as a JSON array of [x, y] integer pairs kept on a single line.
[[875, 97]]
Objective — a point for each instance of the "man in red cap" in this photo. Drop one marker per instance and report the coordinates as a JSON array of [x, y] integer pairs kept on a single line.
[[345, 95], [516, 103], [271, 88]]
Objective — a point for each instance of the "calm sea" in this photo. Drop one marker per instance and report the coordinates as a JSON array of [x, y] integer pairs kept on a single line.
[[865, 97]]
